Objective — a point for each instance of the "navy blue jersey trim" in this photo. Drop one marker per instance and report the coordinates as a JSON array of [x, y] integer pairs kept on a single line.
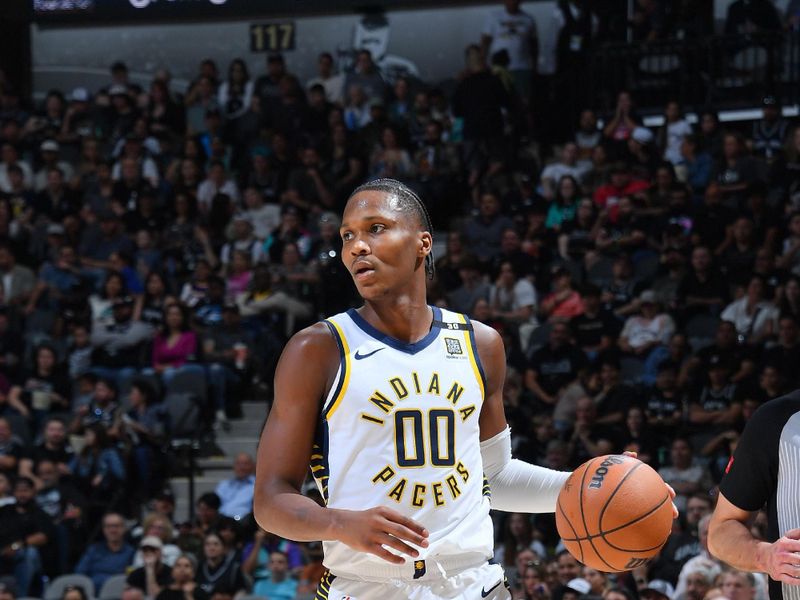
[[412, 348]]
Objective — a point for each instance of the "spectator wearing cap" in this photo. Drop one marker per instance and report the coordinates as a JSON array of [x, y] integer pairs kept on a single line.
[[242, 238], [49, 151], [718, 406], [576, 588], [25, 532], [621, 183], [79, 122], [769, 132], [154, 575], [159, 526], [647, 334], [118, 345], [642, 153], [123, 114], [236, 493]]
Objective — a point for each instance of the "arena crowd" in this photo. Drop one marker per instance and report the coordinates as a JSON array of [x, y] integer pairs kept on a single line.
[[159, 248]]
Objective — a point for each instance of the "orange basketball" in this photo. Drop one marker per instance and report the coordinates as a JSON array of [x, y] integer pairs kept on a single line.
[[614, 513]]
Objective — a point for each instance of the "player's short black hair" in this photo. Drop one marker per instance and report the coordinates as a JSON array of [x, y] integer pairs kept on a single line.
[[408, 202]]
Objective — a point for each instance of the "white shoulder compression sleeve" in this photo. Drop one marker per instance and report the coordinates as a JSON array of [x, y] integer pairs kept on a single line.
[[516, 485]]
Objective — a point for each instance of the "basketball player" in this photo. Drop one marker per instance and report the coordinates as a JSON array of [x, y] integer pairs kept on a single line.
[[764, 471], [398, 408]]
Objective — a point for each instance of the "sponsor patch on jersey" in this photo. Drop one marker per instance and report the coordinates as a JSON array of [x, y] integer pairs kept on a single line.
[[453, 346], [419, 568]]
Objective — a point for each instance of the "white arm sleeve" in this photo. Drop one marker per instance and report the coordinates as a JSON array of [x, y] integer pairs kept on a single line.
[[516, 485]]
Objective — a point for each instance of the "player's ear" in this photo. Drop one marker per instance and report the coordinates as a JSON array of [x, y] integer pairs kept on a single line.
[[425, 243]]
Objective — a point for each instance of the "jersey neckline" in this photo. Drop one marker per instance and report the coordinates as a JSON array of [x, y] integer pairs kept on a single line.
[[392, 342]]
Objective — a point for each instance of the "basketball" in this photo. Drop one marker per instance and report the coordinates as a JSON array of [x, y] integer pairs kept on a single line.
[[614, 513]]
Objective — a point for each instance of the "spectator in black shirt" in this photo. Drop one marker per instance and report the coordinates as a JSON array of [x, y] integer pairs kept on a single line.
[[735, 170], [785, 355], [703, 290], [663, 404], [154, 576], [218, 570], [615, 397], [596, 329], [738, 252], [752, 16], [718, 406], [183, 585], [554, 366], [25, 531], [56, 200], [726, 348], [54, 448]]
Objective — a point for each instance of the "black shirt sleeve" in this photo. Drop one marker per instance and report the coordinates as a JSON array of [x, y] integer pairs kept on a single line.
[[751, 477]]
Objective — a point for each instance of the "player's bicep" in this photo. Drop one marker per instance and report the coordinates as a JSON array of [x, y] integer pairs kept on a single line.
[[286, 441], [493, 358]]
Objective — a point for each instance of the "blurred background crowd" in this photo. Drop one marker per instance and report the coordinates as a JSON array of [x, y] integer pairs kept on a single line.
[[158, 249]]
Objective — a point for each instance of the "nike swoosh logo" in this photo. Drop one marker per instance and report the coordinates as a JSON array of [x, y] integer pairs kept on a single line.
[[367, 355], [485, 593]]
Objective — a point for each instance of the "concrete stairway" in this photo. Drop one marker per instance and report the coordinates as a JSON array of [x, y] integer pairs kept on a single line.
[[242, 436]]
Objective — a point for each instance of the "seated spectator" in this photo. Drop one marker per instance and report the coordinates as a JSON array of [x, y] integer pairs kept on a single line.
[[98, 243], [647, 334], [66, 507], [227, 350], [218, 570], [98, 470], [484, 232], [54, 448], [568, 165], [615, 397], [664, 403], [118, 345], [554, 365], [684, 475], [726, 349], [183, 585], [243, 240], [619, 294], [102, 304], [207, 513], [278, 585], [25, 532], [565, 203], [256, 554], [735, 170], [695, 165], [99, 406], [150, 305], [18, 281], [217, 182], [513, 301], [175, 345], [621, 184], [61, 282], [563, 302], [195, 291], [596, 329], [518, 535], [589, 438], [143, 429], [718, 407], [236, 493], [240, 273], [154, 575], [159, 525], [42, 390], [754, 317]]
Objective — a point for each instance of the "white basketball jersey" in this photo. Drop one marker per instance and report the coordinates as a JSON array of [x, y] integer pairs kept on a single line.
[[400, 429]]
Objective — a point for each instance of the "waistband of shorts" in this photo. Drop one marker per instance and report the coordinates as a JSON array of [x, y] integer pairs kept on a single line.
[[434, 568]]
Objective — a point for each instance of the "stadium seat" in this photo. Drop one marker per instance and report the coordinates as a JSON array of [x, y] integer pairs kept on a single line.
[[184, 415], [113, 587], [56, 588], [185, 382]]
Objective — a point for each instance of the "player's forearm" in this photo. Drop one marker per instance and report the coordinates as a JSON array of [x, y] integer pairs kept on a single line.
[[731, 542], [293, 516]]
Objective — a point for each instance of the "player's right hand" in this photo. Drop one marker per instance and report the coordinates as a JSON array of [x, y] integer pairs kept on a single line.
[[783, 558], [379, 528]]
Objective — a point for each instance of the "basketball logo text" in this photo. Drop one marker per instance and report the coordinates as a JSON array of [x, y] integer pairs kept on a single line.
[[600, 472]]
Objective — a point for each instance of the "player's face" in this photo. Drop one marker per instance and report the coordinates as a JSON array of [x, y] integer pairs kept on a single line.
[[383, 247]]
